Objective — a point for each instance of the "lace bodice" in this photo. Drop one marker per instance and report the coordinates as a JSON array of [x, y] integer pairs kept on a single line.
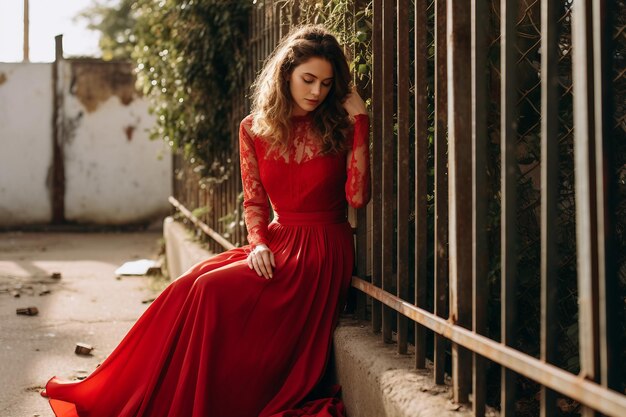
[[299, 179]]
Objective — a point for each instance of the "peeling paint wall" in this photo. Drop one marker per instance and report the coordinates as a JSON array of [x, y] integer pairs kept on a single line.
[[114, 173], [25, 143]]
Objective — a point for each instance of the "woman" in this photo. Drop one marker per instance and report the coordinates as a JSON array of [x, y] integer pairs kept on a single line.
[[248, 332]]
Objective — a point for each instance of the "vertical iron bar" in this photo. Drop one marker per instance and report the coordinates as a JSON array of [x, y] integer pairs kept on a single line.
[[238, 188], [609, 314], [202, 195], [362, 214], [586, 215], [206, 200], [508, 240], [259, 38], [264, 26], [361, 260], [296, 12], [214, 246], [58, 134], [388, 165], [479, 197], [402, 249], [421, 177], [377, 138], [234, 166], [221, 226], [26, 44], [273, 24], [214, 214], [229, 202], [234, 154], [441, 185], [216, 211], [549, 191], [460, 190]]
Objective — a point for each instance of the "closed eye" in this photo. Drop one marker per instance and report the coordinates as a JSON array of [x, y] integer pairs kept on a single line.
[[310, 81]]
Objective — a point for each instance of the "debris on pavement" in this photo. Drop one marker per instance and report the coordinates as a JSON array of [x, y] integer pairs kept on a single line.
[[55, 275], [31, 285], [83, 349], [80, 375], [27, 311]]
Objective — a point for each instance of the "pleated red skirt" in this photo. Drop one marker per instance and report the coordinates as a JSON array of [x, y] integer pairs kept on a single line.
[[220, 341]]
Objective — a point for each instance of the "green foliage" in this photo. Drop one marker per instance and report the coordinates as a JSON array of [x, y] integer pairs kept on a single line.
[[352, 24], [115, 24], [191, 56]]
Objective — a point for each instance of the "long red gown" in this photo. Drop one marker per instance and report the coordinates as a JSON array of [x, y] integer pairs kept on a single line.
[[220, 341]]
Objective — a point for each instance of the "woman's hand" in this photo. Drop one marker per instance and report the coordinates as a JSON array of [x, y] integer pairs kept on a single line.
[[261, 259], [354, 104]]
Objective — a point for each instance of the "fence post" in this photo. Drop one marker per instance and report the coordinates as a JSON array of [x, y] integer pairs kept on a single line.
[[377, 139], [421, 177], [58, 135], [460, 189], [402, 170], [549, 191], [480, 197], [441, 185]]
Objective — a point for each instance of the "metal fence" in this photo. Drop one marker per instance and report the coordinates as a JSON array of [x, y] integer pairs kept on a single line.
[[495, 237]]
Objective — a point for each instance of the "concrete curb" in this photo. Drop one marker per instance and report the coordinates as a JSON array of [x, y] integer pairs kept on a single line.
[[376, 381], [181, 251]]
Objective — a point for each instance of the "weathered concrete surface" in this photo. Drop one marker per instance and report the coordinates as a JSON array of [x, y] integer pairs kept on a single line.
[[180, 249], [114, 173], [26, 140], [87, 305], [378, 382]]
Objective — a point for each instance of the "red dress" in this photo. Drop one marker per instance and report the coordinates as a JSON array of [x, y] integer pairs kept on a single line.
[[220, 341]]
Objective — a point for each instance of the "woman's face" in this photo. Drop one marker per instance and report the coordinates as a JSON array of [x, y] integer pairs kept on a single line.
[[309, 85]]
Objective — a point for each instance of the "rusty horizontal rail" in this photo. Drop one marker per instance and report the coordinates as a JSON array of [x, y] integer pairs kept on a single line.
[[200, 224], [589, 393]]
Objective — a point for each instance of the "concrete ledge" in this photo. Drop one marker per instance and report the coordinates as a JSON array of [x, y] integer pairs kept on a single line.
[[376, 381], [181, 251]]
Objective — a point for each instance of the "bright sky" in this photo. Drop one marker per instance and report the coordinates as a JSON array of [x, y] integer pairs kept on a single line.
[[48, 18]]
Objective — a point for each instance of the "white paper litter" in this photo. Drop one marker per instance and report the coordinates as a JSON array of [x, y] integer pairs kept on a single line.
[[138, 267]]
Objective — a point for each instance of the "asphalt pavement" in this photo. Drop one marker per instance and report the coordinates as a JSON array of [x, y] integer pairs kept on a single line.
[[89, 304]]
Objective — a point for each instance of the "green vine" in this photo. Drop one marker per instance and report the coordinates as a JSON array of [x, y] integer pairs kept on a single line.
[[350, 21], [191, 56]]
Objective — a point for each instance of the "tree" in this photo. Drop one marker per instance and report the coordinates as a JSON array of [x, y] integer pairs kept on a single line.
[[191, 58], [116, 23]]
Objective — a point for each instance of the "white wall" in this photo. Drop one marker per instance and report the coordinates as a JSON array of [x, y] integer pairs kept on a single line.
[[25, 143], [113, 175]]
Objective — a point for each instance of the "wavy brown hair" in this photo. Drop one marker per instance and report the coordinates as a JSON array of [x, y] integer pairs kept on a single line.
[[271, 99]]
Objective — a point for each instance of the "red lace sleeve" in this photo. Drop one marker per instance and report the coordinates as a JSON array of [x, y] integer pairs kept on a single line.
[[255, 203], [358, 164]]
